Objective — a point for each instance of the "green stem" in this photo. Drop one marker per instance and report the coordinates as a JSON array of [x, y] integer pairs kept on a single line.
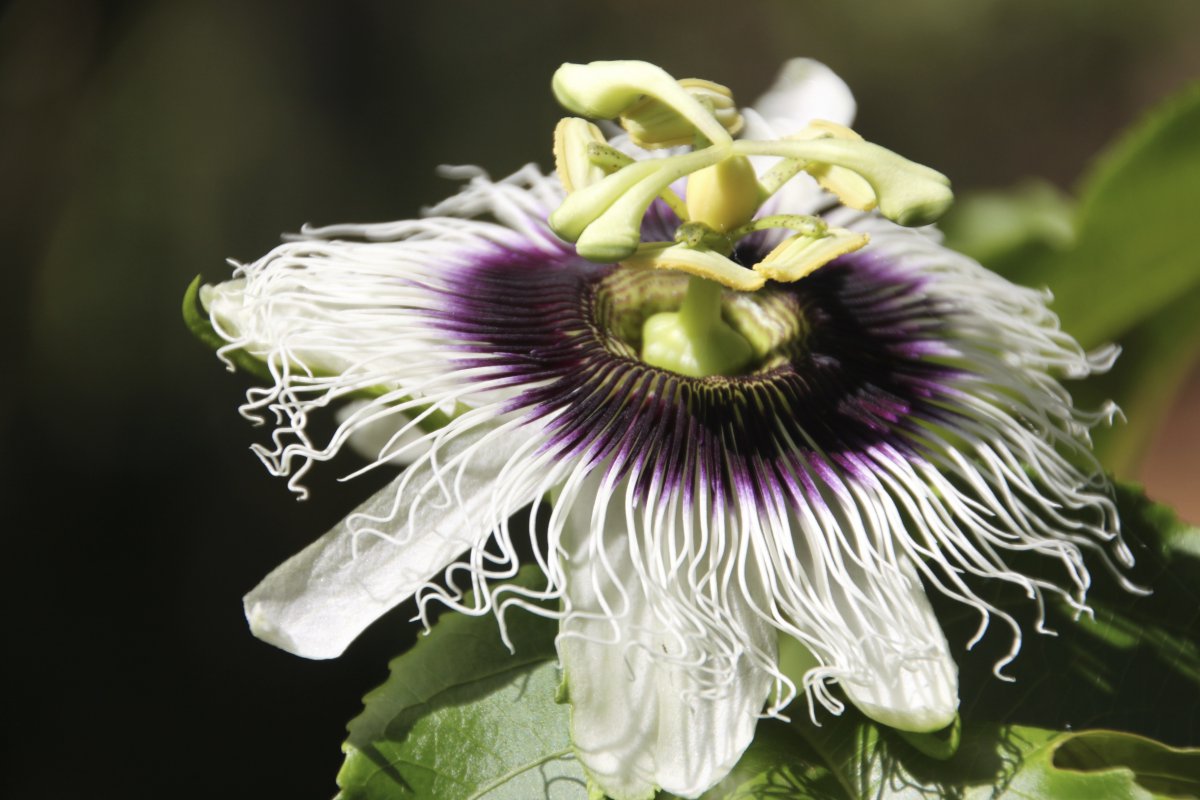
[[701, 310]]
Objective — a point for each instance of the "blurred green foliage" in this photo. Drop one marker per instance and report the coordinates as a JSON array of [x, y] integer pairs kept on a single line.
[[1121, 265]]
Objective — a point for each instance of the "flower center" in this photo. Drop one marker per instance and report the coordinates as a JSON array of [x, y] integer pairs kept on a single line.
[[637, 312], [609, 193]]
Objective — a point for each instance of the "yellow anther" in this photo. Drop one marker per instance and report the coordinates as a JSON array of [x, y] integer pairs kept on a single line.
[[699, 261], [801, 255], [652, 123], [572, 159]]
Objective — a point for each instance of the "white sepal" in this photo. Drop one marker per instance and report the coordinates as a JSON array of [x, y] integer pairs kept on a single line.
[[642, 717], [322, 598], [904, 676]]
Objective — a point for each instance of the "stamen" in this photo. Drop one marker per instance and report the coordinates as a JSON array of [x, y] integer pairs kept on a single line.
[[603, 215], [698, 261], [801, 254], [849, 187], [573, 140], [652, 124]]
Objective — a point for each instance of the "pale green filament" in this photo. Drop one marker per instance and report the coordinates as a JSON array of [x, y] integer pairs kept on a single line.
[[573, 140]]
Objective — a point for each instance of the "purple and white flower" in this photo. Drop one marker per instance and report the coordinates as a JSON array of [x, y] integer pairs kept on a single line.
[[900, 428]]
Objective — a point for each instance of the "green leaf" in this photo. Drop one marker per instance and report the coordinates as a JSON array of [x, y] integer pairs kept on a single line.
[[1006, 229], [1148, 274], [460, 716], [1163, 770], [1008, 762], [853, 758], [1133, 274], [1135, 252], [940, 745], [1155, 359], [779, 763]]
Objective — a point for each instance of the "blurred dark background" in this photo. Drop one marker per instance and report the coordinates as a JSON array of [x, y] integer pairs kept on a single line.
[[144, 142]]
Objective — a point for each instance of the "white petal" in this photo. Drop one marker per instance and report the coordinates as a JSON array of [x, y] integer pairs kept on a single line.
[[805, 90], [640, 721], [319, 600], [903, 676]]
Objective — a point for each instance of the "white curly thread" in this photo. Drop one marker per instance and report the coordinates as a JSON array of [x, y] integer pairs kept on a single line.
[[824, 559]]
